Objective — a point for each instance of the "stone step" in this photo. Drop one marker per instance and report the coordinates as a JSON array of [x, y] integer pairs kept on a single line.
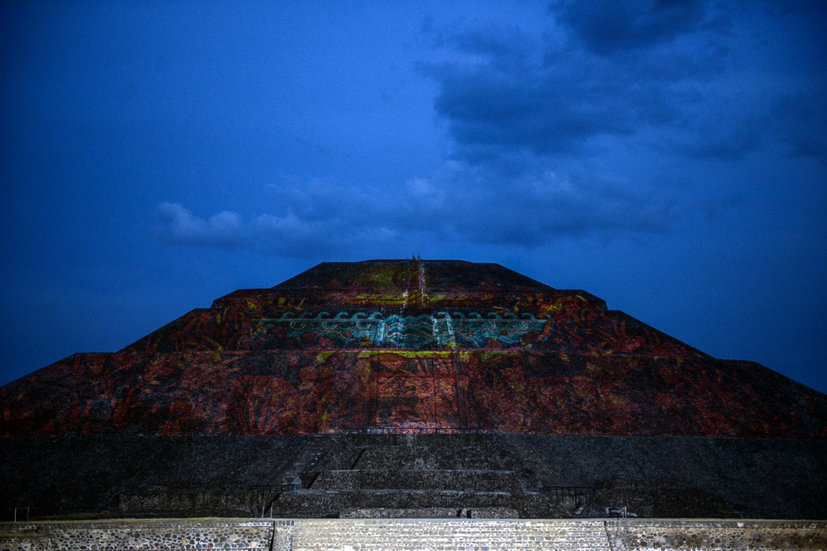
[[312, 451], [420, 455], [401, 479], [431, 512], [409, 534], [330, 503]]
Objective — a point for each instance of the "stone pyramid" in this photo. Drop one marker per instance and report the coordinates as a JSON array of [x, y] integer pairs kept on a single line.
[[397, 388], [412, 347]]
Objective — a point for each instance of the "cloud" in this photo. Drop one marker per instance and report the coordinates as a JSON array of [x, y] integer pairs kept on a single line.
[[286, 235], [584, 125], [489, 110], [306, 220], [462, 202], [608, 27], [537, 206], [802, 140], [574, 129], [509, 99], [679, 81], [179, 225]]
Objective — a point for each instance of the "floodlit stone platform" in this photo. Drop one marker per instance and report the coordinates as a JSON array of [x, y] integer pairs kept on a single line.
[[414, 534]]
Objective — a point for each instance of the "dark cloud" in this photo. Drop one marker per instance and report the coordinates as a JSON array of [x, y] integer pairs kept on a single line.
[[688, 75], [802, 140], [538, 110], [505, 100], [608, 27]]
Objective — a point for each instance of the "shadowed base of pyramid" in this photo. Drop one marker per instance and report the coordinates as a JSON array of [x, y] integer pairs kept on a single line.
[[453, 476]]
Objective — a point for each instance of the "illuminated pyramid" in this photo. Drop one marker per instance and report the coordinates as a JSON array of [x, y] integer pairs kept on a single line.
[[409, 346], [412, 387]]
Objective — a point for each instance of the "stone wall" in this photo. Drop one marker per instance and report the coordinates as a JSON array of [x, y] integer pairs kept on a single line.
[[716, 534], [125, 535], [410, 534]]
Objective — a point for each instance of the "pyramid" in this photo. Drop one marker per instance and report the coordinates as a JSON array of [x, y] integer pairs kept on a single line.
[[410, 347], [411, 388]]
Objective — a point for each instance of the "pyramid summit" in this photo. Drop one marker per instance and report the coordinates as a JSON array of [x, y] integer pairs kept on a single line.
[[409, 346]]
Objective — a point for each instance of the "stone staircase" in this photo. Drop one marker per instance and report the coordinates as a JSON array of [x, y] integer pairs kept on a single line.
[[395, 474], [302, 464], [439, 535]]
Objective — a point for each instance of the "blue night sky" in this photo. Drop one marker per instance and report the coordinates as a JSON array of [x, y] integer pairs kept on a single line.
[[669, 157]]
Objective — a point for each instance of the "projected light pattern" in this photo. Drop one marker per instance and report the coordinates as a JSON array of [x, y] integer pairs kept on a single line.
[[408, 346], [416, 332]]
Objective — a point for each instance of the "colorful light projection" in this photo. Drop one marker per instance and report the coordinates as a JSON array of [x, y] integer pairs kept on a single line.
[[412, 347], [410, 332]]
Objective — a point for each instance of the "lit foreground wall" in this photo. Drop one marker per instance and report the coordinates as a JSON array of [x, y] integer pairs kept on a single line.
[[410, 534]]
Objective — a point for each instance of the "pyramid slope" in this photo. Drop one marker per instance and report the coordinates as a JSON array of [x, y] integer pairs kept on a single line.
[[399, 275], [409, 346]]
